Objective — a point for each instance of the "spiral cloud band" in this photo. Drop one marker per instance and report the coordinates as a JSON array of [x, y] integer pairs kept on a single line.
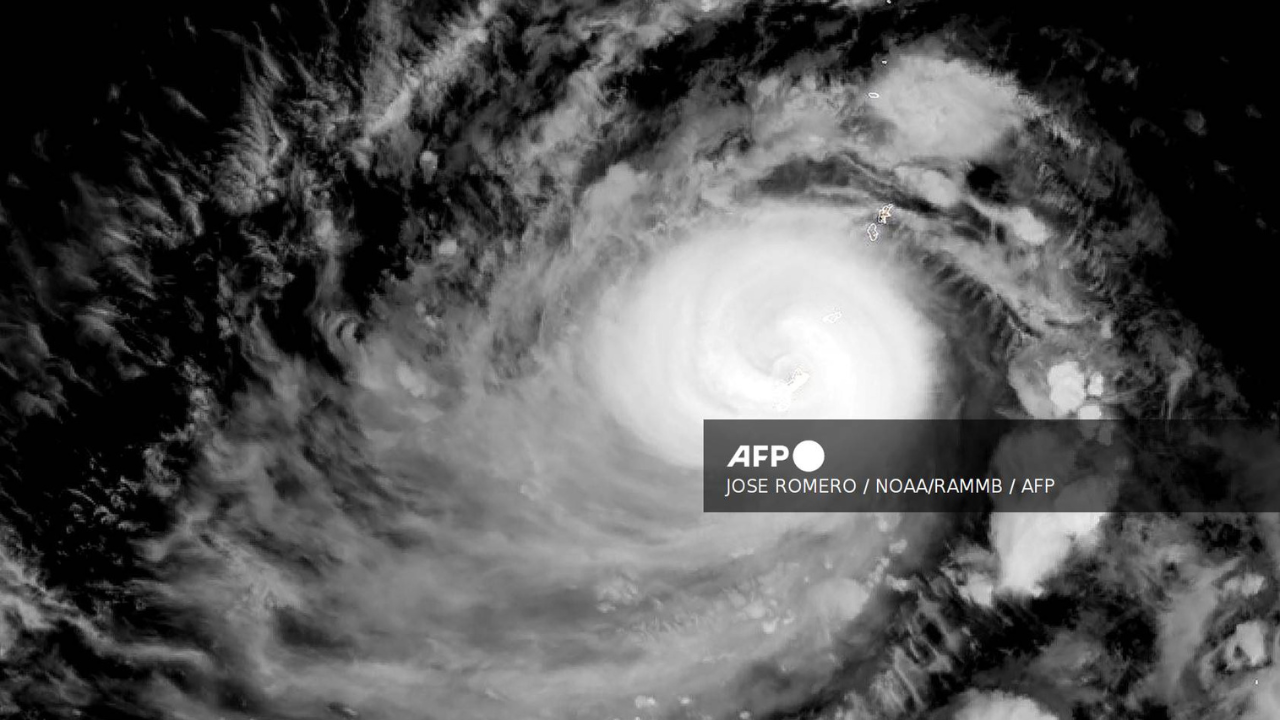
[[533, 541]]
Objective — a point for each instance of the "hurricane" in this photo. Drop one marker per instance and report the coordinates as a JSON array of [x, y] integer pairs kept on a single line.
[[358, 355]]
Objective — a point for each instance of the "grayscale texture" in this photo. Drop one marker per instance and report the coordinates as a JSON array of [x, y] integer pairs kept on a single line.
[[355, 355]]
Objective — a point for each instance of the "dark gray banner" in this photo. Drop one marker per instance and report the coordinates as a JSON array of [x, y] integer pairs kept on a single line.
[[1001, 465]]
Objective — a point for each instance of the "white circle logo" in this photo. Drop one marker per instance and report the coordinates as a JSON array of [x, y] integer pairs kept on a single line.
[[808, 456]]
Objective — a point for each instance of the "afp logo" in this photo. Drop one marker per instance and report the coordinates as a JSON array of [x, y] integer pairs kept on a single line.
[[807, 455]]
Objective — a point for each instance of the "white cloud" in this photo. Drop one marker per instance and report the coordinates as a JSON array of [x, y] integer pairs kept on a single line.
[[1001, 706], [945, 108], [1033, 545]]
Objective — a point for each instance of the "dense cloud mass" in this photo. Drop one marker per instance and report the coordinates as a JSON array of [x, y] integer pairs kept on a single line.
[[356, 357]]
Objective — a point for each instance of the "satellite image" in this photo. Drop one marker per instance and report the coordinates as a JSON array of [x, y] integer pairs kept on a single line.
[[514, 360]]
